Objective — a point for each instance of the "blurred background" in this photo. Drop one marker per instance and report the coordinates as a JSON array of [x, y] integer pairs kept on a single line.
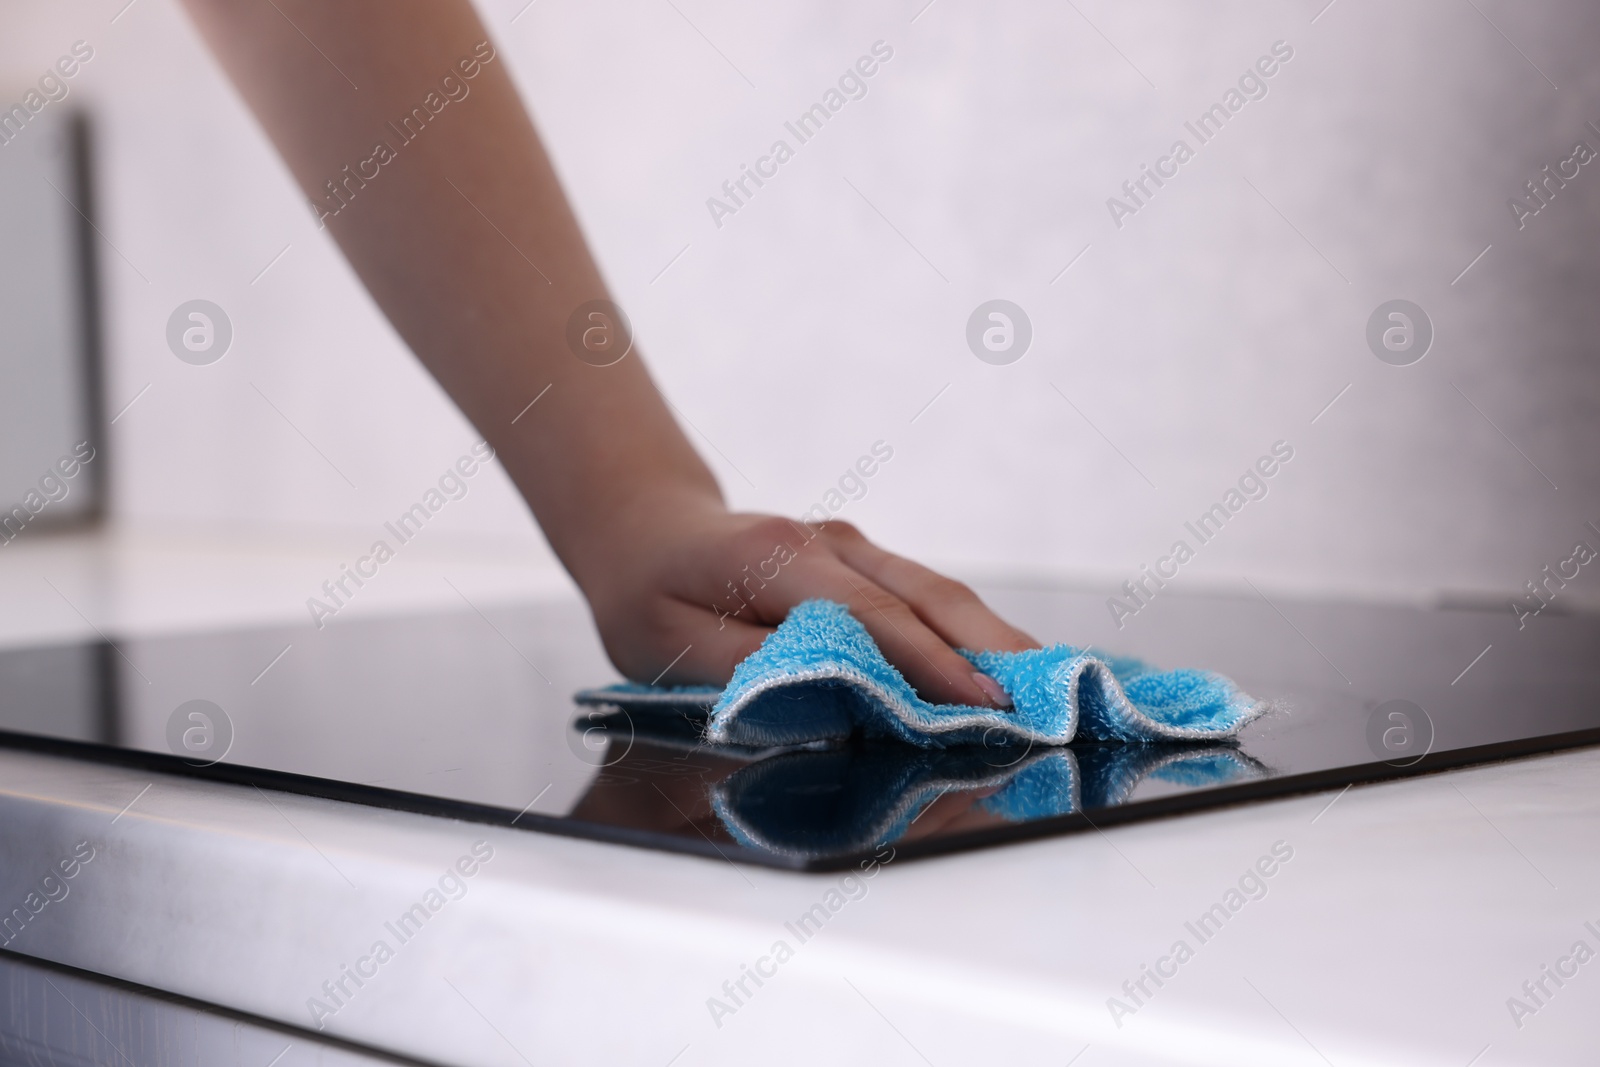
[[1171, 347]]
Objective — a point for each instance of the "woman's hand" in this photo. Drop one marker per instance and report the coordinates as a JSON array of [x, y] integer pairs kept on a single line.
[[682, 597], [464, 237]]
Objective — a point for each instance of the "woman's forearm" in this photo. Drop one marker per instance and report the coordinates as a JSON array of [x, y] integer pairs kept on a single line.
[[443, 199]]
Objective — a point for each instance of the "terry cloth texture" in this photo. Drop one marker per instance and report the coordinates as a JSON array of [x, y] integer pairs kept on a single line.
[[820, 677]]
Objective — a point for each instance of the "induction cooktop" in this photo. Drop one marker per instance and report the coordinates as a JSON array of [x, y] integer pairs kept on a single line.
[[471, 715]]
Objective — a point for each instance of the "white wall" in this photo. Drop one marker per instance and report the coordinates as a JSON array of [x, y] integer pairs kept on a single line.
[[805, 328]]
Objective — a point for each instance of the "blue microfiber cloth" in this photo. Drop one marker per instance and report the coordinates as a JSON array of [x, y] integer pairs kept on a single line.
[[820, 677]]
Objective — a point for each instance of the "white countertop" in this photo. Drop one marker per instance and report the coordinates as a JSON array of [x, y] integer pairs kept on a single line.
[[1406, 917]]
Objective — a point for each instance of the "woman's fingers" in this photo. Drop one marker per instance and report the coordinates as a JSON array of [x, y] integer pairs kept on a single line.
[[937, 672], [948, 607], [764, 566]]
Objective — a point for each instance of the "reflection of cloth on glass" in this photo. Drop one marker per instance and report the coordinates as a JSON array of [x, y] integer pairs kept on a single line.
[[821, 677], [850, 799], [1112, 772], [1039, 788], [844, 800]]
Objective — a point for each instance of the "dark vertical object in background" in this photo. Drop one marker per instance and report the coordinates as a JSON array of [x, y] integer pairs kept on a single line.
[[107, 696], [51, 391], [80, 140]]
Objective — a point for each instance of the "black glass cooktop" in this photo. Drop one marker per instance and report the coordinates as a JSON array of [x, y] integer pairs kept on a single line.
[[471, 715]]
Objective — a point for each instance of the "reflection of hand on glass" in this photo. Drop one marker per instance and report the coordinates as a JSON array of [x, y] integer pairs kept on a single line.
[[630, 792], [436, 186], [950, 812]]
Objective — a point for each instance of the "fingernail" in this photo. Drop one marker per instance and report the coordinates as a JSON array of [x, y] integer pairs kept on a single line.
[[991, 689]]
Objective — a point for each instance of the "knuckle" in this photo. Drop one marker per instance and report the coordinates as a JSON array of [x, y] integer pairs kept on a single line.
[[880, 599], [951, 593], [766, 532], [841, 530]]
